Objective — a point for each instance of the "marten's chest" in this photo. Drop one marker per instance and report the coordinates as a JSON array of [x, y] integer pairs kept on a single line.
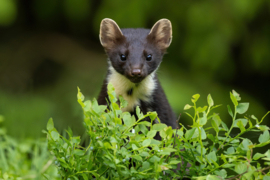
[[131, 92]]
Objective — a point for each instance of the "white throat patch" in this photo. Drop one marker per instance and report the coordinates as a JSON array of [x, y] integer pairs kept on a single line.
[[143, 91]]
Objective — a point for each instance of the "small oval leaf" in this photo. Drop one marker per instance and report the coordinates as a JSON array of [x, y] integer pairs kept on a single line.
[[210, 100], [242, 108]]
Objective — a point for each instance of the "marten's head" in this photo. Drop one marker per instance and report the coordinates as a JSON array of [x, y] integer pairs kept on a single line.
[[135, 53]]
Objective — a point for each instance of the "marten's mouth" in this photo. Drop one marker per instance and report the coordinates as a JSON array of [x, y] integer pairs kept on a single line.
[[136, 79]]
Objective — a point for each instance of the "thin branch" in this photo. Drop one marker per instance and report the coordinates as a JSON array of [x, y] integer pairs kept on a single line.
[[174, 136], [237, 175], [126, 143], [47, 165], [263, 169]]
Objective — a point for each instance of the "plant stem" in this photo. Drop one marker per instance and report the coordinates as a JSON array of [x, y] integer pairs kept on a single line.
[[228, 134], [103, 173]]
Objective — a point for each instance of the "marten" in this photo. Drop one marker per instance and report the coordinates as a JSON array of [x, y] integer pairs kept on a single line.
[[134, 55]]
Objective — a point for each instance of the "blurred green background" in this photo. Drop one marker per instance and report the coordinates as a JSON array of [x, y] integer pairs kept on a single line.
[[49, 47]]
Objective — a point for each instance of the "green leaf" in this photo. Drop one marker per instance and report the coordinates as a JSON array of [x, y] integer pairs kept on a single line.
[[216, 121], [123, 102], [137, 157], [167, 149], [189, 115], [144, 154], [195, 98], [250, 123], [203, 134], [242, 108], [138, 112], [230, 110], [100, 143], [87, 105], [267, 153], [230, 150], [224, 126], [163, 134], [145, 165], [133, 170], [200, 109], [95, 106], [244, 122], [262, 127], [155, 142], [80, 95], [189, 133], [212, 156], [216, 106], [222, 173], [254, 117], [146, 123], [117, 120], [79, 152], [266, 178], [240, 168], [50, 125], [43, 131], [151, 133], [201, 150], [116, 161], [210, 100], [264, 137], [241, 126], [134, 147], [203, 120], [187, 106], [154, 159], [159, 126], [143, 129], [245, 144], [211, 137], [234, 100], [175, 162], [262, 144], [113, 140], [128, 120], [107, 145], [146, 142], [169, 132], [111, 93], [258, 156], [139, 137], [236, 95], [228, 165], [212, 177], [152, 115], [55, 135]]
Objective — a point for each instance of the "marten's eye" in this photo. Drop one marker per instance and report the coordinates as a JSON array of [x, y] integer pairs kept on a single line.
[[149, 57], [123, 57]]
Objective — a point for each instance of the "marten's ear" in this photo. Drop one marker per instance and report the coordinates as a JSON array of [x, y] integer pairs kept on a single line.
[[110, 34], [161, 34]]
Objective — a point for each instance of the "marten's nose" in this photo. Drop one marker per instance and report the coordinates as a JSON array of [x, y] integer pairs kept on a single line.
[[136, 72]]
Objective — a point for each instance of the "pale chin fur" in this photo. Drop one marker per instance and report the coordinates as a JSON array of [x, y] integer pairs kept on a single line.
[[141, 91]]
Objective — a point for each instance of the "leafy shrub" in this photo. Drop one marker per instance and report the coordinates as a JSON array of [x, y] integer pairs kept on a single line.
[[28, 159], [120, 147]]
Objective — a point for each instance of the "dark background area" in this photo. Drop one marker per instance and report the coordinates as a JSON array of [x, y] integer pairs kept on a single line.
[[49, 47]]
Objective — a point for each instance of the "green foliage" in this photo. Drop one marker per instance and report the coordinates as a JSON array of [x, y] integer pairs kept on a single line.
[[120, 147], [25, 160]]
